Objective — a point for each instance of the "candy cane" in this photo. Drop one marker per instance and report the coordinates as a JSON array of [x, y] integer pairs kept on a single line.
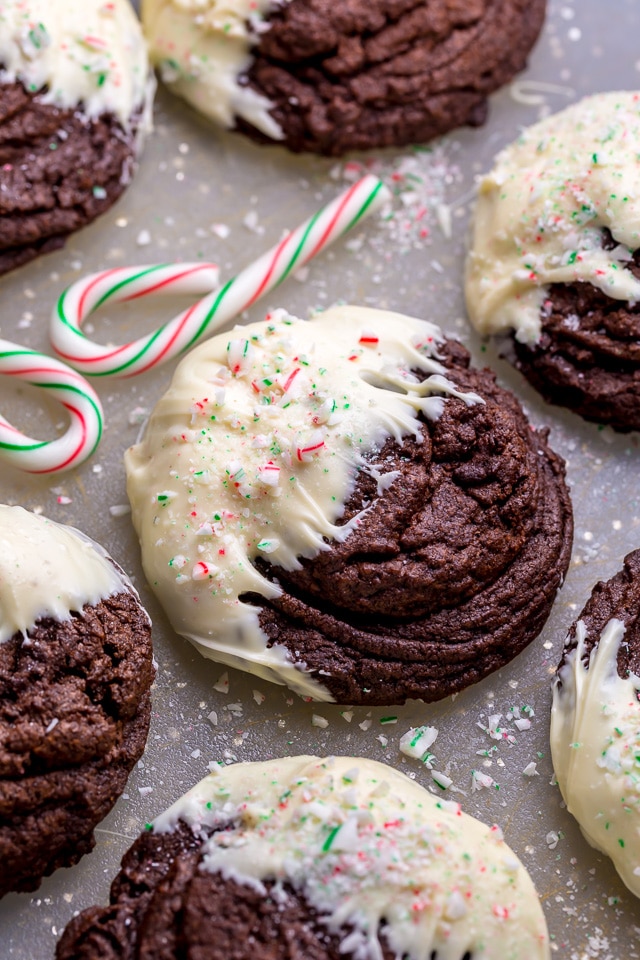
[[214, 310], [66, 387]]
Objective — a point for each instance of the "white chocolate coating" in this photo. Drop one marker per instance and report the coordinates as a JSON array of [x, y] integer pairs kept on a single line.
[[85, 51], [540, 213], [254, 451], [202, 47], [363, 843], [595, 744], [48, 570]]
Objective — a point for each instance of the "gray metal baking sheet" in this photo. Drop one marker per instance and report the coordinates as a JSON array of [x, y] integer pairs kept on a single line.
[[200, 193]]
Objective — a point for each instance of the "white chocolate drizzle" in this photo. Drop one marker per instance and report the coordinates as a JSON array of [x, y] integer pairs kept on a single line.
[[202, 47], [48, 570], [595, 744], [254, 451], [542, 208], [88, 52], [364, 844]]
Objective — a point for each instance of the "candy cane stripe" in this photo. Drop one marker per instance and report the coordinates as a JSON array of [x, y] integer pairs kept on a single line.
[[91, 286], [293, 263], [374, 199], [334, 220], [217, 306], [206, 323], [67, 388], [112, 291], [168, 281], [265, 283]]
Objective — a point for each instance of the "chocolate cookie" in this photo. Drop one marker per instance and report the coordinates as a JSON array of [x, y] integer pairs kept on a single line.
[[314, 859], [555, 257], [595, 720], [588, 354], [75, 674], [74, 96], [347, 507], [330, 77]]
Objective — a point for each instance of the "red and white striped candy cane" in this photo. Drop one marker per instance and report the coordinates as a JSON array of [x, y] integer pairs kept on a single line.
[[214, 310], [120, 285], [66, 387]]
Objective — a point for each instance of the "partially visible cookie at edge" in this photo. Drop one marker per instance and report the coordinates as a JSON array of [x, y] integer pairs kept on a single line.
[[75, 100], [330, 77], [596, 717], [318, 859], [555, 257], [344, 505], [75, 675]]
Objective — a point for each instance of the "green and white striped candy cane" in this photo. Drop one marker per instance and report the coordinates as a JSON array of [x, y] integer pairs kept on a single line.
[[62, 384], [217, 308]]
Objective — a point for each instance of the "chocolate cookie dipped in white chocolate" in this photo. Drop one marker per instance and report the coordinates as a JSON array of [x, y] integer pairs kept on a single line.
[[48, 570], [253, 452], [202, 47], [595, 743], [87, 52], [378, 859], [542, 209]]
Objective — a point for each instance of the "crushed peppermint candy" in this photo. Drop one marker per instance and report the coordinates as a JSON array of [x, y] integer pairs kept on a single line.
[[523, 724], [204, 571], [268, 546], [416, 742], [441, 779], [309, 448], [222, 684], [421, 182], [552, 839], [480, 781]]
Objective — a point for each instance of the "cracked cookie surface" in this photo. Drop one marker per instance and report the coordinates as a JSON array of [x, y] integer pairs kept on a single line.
[[74, 716], [327, 77], [588, 355], [450, 573], [306, 857], [75, 674], [346, 506], [362, 74], [61, 170], [554, 261]]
